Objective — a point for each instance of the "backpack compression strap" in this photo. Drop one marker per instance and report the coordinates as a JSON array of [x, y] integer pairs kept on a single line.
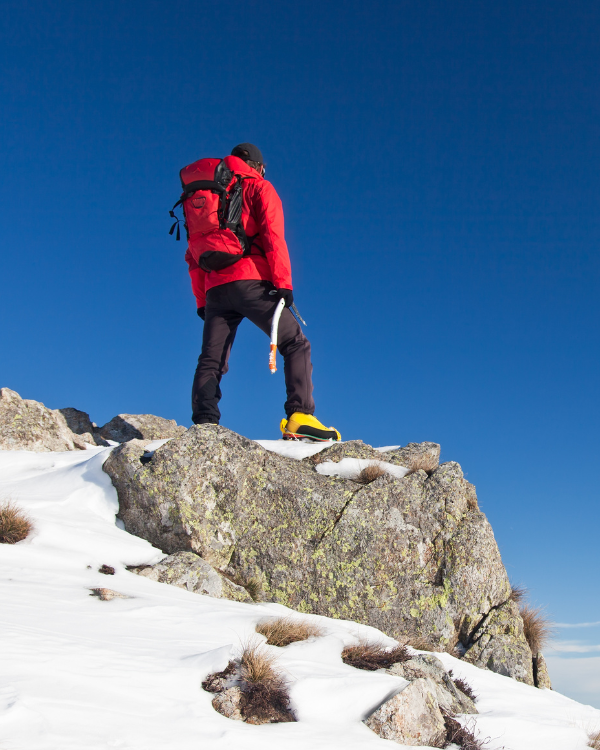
[[189, 190]]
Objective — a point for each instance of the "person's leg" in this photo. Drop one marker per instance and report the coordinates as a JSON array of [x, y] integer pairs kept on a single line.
[[220, 328], [252, 300]]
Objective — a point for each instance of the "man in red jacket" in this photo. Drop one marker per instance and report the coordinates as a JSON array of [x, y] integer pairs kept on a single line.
[[251, 288]]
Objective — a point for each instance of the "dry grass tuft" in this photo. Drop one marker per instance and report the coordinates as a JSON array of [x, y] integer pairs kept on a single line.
[[107, 594], [257, 665], [266, 702], [373, 656], [538, 628], [15, 525], [369, 474], [459, 735], [252, 585], [464, 687], [285, 630], [263, 694], [518, 594], [594, 740], [422, 644]]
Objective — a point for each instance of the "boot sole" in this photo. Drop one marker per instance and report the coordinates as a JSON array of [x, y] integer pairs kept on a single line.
[[322, 437]]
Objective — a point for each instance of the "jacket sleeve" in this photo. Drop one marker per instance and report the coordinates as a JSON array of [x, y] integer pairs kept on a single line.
[[268, 213], [197, 275]]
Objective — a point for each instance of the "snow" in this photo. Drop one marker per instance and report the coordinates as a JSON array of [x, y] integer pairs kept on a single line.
[[348, 468], [295, 448], [87, 674]]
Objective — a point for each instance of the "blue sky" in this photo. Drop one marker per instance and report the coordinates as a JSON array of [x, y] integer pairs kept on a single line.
[[439, 169]]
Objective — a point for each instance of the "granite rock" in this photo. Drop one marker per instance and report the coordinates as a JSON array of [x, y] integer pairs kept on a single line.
[[125, 427], [28, 425], [413, 557], [188, 571]]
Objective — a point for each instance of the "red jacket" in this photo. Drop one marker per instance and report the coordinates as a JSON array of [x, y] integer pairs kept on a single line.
[[262, 213]]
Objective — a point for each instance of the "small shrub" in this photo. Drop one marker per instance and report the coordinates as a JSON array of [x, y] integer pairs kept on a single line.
[[266, 702], [285, 630], [538, 628], [263, 691], [257, 665], [252, 585], [463, 686], [594, 740], [108, 570], [422, 644], [428, 464], [518, 594], [15, 525], [373, 656], [369, 474], [459, 735]]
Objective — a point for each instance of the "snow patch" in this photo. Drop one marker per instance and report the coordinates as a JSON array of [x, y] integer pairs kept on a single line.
[[78, 672], [349, 468]]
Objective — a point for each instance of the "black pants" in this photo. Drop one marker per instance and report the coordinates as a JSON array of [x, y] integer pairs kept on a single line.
[[226, 306]]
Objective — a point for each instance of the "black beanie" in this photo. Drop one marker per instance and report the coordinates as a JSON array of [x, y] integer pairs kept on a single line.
[[247, 151]]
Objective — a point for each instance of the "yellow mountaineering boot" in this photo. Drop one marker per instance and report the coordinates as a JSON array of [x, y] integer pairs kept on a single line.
[[306, 426]]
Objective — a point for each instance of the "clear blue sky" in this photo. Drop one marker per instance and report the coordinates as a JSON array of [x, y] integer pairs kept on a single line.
[[439, 165]]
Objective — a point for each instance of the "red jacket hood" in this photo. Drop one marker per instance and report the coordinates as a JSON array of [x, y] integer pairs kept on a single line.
[[239, 166]]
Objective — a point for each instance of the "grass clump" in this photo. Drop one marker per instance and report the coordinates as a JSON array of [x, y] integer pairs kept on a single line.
[[261, 688], [518, 594], [463, 686], [258, 665], [285, 630], [264, 697], [594, 740], [373, 656], [252, 585], [15, 525], [369, 474], [536, 624], [538, 628], [457, 734], [422, 644]]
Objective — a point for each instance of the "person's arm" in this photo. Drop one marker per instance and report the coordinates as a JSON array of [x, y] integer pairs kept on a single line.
[[268, 213], [197, 275]]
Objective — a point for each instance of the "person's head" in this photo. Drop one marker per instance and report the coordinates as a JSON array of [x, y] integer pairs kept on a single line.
[[251, 155]]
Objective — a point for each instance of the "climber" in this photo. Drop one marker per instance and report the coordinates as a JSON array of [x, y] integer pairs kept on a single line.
[[240, 268]]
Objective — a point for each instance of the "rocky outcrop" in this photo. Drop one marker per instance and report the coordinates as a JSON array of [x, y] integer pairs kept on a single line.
[[428, 667], [414, 456], [540, 672], [80, 423], [499, 644], [125, 427], [411, 717], [29, 426], [412, 557], [188, 571], [416, 716]]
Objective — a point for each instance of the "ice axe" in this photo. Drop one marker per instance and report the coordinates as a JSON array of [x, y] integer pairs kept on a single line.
[[275, 326], [274, 330]]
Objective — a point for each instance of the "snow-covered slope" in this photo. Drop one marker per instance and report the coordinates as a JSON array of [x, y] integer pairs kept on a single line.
[[82, 673]]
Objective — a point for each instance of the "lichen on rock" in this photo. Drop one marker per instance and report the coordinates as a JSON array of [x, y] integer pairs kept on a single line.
[[188, 571], [412, 556]]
